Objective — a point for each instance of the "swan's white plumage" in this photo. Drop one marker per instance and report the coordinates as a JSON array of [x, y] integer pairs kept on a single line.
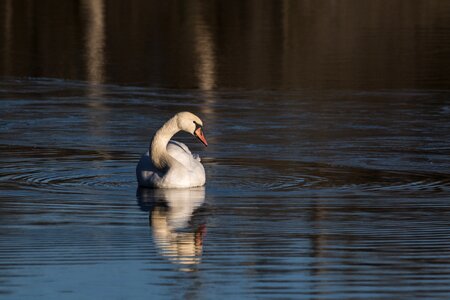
[[178, 167]]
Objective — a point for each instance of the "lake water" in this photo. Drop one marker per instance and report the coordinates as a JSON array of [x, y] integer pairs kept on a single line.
[[327, 167]]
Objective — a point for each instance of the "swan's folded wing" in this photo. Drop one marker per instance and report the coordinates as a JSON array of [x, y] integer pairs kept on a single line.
[[174, 145], [181, 153]]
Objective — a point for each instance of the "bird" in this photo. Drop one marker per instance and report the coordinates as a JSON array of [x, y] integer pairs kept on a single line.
[[168, 163]]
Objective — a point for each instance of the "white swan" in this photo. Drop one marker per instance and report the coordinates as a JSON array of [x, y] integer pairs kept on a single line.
[[168, 163]]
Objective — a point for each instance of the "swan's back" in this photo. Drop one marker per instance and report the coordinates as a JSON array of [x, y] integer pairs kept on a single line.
[[182, 154], [189, 172]]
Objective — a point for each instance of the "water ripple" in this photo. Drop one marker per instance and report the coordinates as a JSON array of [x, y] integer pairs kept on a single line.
[[65, 170], [282, 175]]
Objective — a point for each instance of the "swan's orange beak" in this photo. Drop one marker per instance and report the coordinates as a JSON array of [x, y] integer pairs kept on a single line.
[[199, 134]]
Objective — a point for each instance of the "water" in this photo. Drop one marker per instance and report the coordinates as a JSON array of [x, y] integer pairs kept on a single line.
[[318, 187], [313, 197]]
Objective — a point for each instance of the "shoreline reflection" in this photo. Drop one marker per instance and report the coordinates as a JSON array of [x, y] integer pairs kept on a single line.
[[177, 232]]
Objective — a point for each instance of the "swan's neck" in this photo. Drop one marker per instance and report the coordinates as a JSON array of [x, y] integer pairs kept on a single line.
[[158, 148]]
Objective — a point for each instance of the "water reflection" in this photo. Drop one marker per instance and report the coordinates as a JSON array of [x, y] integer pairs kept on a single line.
[[176, 233], [275, 45], [94, 47], [206, 58], [7, 35], [204, 48]]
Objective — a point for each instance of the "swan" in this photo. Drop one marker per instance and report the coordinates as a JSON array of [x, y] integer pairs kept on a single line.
[[168, 163]]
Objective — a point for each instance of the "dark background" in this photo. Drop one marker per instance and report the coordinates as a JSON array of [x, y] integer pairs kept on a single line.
[[395, 44]]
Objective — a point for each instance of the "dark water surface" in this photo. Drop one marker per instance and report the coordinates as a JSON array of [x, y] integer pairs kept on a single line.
[[327, 168]]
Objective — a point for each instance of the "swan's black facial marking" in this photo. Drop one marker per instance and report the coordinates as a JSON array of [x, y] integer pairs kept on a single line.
[[197, 126]]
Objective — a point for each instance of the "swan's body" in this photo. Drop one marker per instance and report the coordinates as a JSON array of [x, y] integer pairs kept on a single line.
[[168, 163]]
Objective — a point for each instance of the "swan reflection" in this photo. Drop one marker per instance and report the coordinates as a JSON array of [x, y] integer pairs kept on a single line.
[[176, 231]]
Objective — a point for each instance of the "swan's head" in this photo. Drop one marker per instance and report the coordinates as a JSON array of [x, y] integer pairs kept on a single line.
[[189, 122]]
